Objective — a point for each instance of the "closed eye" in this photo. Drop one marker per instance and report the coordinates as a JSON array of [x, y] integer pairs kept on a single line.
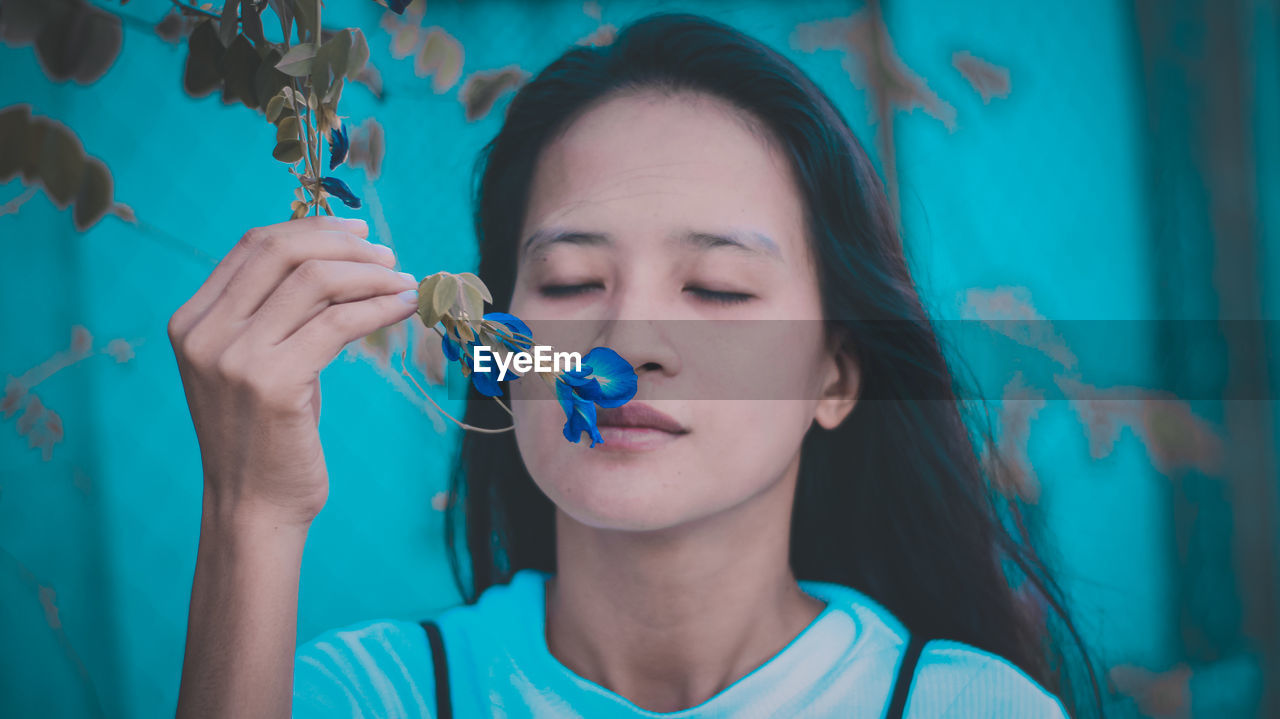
[[555, 291], [719, 297]]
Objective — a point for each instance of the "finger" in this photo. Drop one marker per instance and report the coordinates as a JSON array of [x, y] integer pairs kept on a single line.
[[316, 343], [279, 255], [315, 285], [194, 308]]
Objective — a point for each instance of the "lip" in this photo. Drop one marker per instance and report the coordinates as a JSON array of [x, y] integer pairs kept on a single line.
[[636, 417]]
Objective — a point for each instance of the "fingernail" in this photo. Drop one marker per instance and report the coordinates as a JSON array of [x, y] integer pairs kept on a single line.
[[409, 277], [383, 250], [410, 296]]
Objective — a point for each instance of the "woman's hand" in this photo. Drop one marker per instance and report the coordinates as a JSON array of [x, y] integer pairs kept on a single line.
[[251, 343]]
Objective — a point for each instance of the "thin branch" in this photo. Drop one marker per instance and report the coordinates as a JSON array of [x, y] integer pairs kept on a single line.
[[192, 9], [504, 406], [12, 206], [404, 369]]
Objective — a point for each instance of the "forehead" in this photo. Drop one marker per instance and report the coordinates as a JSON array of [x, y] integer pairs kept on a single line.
[[650, 164]]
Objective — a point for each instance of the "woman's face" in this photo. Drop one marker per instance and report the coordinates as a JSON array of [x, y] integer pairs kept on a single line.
[[663, 227]]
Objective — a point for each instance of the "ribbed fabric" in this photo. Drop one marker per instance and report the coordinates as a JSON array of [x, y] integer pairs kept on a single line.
[[841, 665]]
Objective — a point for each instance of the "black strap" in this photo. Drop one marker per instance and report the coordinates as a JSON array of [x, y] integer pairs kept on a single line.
[[907, 670], [440, 665]]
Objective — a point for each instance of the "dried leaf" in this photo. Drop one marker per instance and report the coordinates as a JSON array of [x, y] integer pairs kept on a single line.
[[204, 54], [472, 302], [77, 41], [600, 37], [268, 81], [251, 23], [100, 37], [94, 197], [32, 148], [21, 22], [441, 57], [297, 62], [288, 129], [228, 25], [275, 106], [471, 279], [14, 124], [289, 151], [174, 26], [305, 13], [872, 61], [367, 148], [239, 71], [482, 89], [988, 79], [445, 295], [358, 55], [426, 299], [404, 40], [62, 161]]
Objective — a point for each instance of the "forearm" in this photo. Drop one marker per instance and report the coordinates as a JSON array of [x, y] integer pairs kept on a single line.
[[242, 623]]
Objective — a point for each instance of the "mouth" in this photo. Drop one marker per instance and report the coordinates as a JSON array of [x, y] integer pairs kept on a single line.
[[637, 426]]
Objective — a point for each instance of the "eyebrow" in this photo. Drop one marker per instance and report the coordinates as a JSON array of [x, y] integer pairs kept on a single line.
[[742, 240]]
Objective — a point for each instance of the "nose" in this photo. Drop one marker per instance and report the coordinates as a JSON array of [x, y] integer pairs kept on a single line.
[[647, 343]]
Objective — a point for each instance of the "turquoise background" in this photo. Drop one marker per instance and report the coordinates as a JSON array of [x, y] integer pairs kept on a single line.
[[1044, 190]]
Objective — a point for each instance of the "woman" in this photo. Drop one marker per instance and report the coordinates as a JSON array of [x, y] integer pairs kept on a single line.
[[824, 544]]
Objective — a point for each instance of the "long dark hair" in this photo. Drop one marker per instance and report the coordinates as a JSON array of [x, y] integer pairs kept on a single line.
[[894, 502]]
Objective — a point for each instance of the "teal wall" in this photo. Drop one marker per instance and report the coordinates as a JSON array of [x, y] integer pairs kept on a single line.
[[1042, 190]]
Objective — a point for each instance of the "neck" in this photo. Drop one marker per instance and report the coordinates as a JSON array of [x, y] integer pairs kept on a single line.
[[668, 618]]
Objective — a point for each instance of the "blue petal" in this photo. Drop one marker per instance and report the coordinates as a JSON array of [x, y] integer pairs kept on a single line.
[[339, 189], [486, 383], [339, 143], [578, 377], [516, 326], [580, 415], [451, 349], [615, 379]]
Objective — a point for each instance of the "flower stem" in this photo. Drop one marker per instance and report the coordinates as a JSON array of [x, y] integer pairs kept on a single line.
[[404, 369]]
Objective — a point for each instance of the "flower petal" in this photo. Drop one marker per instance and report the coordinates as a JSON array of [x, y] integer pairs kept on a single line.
[[615, 379], [339, 189], [452, 349], [339, 143], [486, 382], [515, 326], [580, 415]]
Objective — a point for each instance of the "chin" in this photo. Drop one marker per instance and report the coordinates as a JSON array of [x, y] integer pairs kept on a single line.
[[644, 483], [621, 491]]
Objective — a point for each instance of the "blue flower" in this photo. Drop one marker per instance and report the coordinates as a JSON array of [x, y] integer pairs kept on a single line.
[[486, 382], [339, 143], [515, 326], [604, 379], [339, 189], [610, 379], [451, 349], [580, 414]]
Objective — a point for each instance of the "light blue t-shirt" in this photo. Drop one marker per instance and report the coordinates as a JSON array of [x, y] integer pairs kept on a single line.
[[841, 665]]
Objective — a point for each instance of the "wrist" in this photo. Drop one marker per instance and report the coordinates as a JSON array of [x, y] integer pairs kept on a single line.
[[233, 514]]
